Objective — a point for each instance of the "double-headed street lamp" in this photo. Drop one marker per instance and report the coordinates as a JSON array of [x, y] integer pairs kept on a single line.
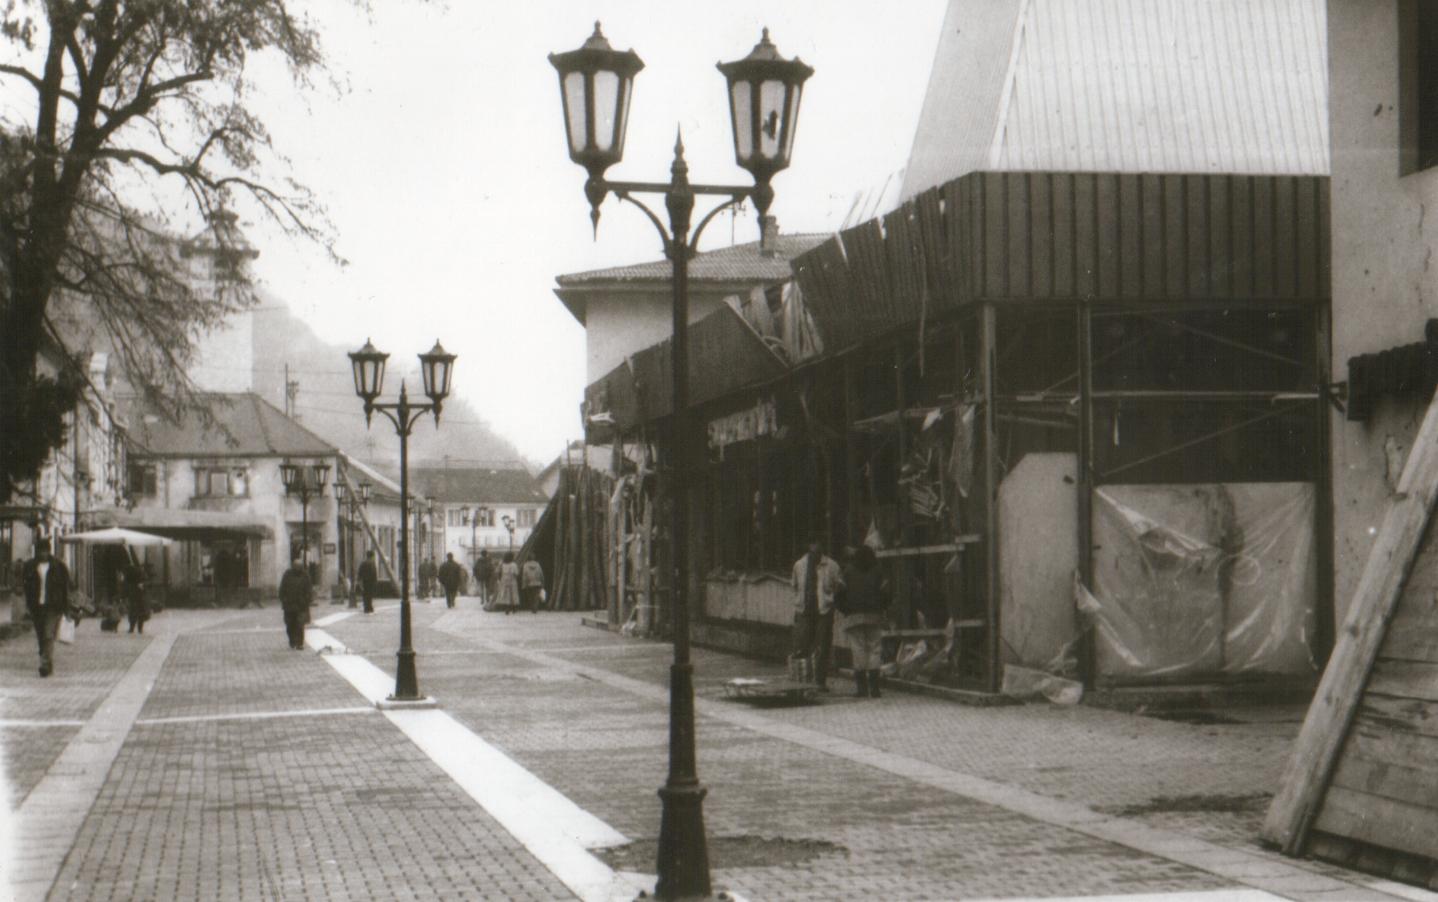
[[436, 368], [508, 522], [305, 481], [595, 84], [349, 506]]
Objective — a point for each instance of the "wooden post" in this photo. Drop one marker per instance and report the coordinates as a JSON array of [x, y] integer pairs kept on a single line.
[[853, 527], [1314, 754], [988, 340], [1088, 651], [1325, 611], [902, 577]]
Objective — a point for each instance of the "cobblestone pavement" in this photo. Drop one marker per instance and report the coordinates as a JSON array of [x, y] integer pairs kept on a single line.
[[253, 772]]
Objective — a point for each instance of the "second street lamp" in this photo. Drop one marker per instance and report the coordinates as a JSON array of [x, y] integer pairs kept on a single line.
[[595, 86], [436, 370], [307, 482]]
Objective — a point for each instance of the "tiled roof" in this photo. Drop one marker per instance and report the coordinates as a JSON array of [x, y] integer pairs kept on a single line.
[[736, 263], [1239, 86], [484, 485], [245, 425]]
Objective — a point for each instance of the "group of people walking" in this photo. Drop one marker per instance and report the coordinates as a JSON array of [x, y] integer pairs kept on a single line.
[[859, 592]]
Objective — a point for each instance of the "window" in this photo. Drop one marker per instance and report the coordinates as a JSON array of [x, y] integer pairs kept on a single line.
[[142, 480], [221, 482], [1418, 85], [454, 517], [486, 516], [525, 517]]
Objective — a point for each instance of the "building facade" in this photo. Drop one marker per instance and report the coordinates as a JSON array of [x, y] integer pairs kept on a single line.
[[478, 508]]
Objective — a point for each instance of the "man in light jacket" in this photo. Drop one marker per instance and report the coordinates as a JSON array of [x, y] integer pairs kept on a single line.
[[816, 579]]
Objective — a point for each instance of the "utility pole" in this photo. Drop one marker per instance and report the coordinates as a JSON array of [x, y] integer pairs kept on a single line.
[[292, 392]]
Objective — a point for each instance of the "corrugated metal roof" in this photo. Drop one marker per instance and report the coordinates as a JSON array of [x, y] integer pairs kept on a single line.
[[736, 263], [1238, 86]]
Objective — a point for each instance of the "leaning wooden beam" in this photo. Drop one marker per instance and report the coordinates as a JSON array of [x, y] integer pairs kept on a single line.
[[1310, 766]]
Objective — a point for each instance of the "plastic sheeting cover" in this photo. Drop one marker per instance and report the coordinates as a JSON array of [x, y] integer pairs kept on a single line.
[[1203, 580]]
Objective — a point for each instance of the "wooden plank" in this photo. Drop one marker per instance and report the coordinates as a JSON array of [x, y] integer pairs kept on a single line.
[[958, 229], [923, 550], [1241, 242], [1285, 246], [1382, 822], [1130, 236], [1314, 753], [1263, 237], [989, 349], [1407, 781], [1220, 236], [1108, 230], [1175, 236], [1306, 237], [1199, 261], [1041, 235], [933, 230], [1085, 236], [992, 200], [1324, 243], [1062, 238], [1404, 679], [1413, 634], [1018, 199], [1396, 736], [1152, 242]]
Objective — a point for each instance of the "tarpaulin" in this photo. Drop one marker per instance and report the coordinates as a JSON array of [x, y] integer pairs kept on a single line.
[[1194, 581]]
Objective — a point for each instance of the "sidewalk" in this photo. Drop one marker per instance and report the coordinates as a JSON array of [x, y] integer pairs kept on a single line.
[[210, 762]]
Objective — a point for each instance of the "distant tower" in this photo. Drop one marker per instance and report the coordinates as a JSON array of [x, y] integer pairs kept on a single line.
[[218, 255]]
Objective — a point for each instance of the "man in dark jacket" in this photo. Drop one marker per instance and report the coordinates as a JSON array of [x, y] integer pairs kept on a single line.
[[368, 578], [483, 573], [47, 598], [296, 592], [451, 576]]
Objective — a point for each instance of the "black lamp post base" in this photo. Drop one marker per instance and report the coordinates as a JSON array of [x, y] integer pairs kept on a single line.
[[406, 704], [406, 680], [683, 850]]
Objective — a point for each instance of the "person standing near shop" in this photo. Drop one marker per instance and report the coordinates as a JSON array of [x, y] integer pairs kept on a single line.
[[483, 575], [508, 595], [296, 591], [137, 606], [451, 578], [368, 578], [531, 584], [816, 579], [427, 575], [863, 602], [47, 597]]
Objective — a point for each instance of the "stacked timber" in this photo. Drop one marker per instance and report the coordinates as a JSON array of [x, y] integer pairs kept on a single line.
[[571, 540]]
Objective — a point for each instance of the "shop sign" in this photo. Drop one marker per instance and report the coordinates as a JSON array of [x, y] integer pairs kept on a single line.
[[744, 425]]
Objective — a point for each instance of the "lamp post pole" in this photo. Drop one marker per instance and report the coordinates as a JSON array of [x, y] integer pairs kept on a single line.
[[305, 482], [764, 92], [436, 368]]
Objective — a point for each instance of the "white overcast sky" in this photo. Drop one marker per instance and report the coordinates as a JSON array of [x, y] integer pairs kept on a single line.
[[442, 163]]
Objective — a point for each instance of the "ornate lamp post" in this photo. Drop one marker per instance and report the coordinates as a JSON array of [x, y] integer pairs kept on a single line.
[[508, 522], [307, 482], [436, 369], [349, 510], [595, 84]]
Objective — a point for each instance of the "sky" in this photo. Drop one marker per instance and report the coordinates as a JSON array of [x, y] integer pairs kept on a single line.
[[439, 153]]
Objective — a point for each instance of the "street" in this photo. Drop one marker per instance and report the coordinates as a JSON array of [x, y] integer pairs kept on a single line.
[[205, 760]]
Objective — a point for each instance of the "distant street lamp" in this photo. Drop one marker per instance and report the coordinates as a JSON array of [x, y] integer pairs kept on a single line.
[[508, 522], [436, 370], [595, 84], [307, 482]]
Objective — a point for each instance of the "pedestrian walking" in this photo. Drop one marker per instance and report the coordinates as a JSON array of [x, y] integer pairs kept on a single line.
[[47, 597], [531, 584], [137, 604], [427, 574], [484, 576], [451, 578], [368, 578], [863, 602], [296, 592], [508, 596], [816, 579]]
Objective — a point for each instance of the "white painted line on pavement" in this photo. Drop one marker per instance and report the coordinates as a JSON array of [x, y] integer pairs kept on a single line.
[[252, 715], [1212, 895], [41, 723], [552, 828], [336, 617]]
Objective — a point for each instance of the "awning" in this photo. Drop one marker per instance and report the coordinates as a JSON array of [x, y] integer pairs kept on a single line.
[[188, 525]]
